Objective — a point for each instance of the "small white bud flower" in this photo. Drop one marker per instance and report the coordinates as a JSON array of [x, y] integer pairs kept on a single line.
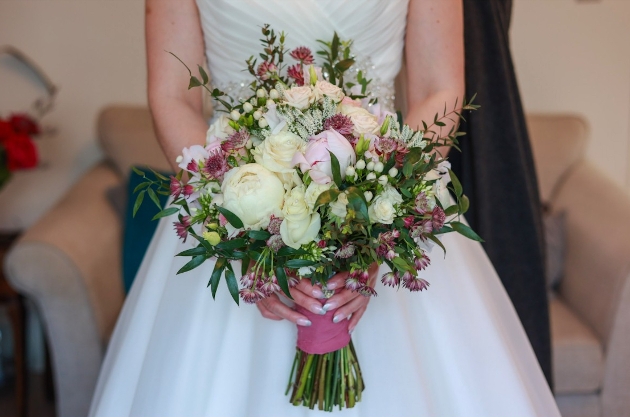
[[179, 159], [382, 179], [360, 164], [378, 167], [235, 115], [261, 93], [393, 172], [263, 123], [274, 94], [257, 115], [350, 171], [247, 107], [370, 166], [368, 196], [371, 176], [253, 101], [270, 101]]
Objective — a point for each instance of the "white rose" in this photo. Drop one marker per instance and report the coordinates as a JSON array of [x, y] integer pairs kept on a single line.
[[383, 208], [299, 97], [339, 206], [300, 226], [364, 122], [220, 128], [392, 195], [253, 193], [324, 88], [276, 152], [313, 191]]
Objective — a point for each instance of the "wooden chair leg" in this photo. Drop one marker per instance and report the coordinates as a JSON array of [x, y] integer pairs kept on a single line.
[[16, 312]]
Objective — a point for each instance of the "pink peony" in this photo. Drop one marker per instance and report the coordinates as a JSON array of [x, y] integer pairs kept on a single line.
[[316, 157]]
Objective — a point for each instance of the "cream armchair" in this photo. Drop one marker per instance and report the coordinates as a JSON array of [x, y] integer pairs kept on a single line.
[[69, 264], [590, 317]]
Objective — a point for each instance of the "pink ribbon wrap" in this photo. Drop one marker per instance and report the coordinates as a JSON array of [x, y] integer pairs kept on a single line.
[[322, 336]]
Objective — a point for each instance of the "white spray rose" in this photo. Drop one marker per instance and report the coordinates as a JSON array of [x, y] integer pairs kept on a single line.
[[300, 225], [253, 193], [383, 208], [324, 88], [313, 191], [299, 97], [220, 128], [340, 206], [364, 122]]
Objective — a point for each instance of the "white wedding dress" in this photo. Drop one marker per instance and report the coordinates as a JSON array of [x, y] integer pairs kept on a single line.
[[457, 349]]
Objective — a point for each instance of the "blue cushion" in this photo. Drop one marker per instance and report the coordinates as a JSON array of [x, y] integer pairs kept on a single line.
[[139, 230]]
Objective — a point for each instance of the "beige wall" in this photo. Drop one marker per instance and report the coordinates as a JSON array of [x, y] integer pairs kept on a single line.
[[574, 56], [92, 49], [570, 56]]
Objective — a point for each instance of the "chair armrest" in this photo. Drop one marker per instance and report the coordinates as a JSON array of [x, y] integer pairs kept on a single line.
[[68, 263]]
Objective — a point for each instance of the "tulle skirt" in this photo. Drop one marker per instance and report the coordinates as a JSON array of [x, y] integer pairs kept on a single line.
[[457, 349]]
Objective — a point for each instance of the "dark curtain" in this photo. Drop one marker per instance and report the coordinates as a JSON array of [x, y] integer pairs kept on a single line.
[[497, 170]]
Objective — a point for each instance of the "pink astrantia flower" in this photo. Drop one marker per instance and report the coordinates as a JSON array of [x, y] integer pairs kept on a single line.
[[416, 284], [422, 262], [235, 141], [265, 70], [438, 218], [181, 227], [251, 295], [303, 54], [176, 187], [391, 279], [346, 251], [422, 203], [275, 242], [215, 166], [274, 225], [297, 73], [367, 291], [340, 123]]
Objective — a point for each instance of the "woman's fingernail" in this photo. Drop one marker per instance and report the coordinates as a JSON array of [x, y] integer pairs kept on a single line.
[[318, 310], [303, 322], [317, 293], [331, 286], [330, 306], [350, 330], [338, 318]]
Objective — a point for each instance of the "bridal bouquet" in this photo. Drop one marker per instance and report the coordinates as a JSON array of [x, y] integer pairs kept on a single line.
[[305, 178]]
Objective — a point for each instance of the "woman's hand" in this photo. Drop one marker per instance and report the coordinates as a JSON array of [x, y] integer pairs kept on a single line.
[[349, 304]]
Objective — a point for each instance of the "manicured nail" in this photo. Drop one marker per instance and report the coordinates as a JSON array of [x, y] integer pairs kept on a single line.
[[318, 310], [350, 331], [317, 293], [330, 306], [338, 318], [331, 286], [303, 322]]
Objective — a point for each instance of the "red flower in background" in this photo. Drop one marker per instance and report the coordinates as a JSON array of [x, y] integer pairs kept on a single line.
[[19, 149], [24, 124]]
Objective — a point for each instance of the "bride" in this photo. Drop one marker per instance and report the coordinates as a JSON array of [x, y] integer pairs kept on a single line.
[[457, 350]]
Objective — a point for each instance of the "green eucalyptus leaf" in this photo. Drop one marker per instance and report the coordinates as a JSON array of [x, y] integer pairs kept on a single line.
[[407, 169], [438, 242], [230, 279], [138, 202], [192, 264], [464, 204], [216, 275], [299, 263], [232, 244], [463, 229], [141, 186], [259, 234], [199, 250], [137, 171], [245, 264], [344, 65], [283, 282], [231, 217], [356, 200], [451, 210], [194, 82], [160, 176], [326, 197], [457, 186], [334, 165], [154, 198], [204, 75], [166, 212]]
